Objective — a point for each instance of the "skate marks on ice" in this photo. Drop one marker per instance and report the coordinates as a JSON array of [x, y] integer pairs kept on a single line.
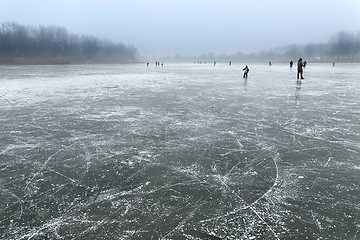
[[113, 155], [133, 189]]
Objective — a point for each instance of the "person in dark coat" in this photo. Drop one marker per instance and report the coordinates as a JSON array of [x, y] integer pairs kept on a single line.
[[300, 66], [246, 71]]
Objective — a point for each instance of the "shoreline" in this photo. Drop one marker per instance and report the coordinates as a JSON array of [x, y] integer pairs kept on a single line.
[[64, 61], [18, 61]]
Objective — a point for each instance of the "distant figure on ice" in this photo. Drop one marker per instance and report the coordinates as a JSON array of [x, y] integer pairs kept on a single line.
[[305, 63], [246, 71], [333, 64], [230, 63], [270, 63], [291, 63], [300, 68], [147, 64], [214, 63]]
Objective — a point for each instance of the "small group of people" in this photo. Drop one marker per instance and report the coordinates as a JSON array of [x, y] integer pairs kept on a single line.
[[300, 65], [156, 64]]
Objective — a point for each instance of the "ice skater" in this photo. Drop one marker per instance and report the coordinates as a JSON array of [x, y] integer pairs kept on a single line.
[[300, 68], [246, 71]]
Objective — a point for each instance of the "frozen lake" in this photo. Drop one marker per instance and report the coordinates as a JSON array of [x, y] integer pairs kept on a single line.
[[179, 152]]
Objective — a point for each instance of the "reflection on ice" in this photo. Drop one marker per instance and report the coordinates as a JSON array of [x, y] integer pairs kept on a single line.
[[183, 151]]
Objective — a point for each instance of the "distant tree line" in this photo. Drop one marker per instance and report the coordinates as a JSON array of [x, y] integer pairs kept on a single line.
[[53, 44], [342, 47]]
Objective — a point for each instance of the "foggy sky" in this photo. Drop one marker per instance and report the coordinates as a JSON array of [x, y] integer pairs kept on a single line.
[[167, 27]]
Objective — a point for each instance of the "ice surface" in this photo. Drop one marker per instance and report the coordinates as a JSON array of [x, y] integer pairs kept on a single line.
[[179, 152]]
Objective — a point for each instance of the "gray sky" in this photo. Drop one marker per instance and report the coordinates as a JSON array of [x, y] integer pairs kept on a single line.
[[167, 27]]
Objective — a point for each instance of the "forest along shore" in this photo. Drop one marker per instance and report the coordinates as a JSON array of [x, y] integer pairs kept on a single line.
[[20, 44]]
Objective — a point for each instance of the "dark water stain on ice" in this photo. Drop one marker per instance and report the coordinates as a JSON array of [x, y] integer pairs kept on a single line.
[[181, 152]]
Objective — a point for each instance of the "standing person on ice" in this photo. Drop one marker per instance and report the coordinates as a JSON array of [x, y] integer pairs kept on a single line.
[[300, 68], [246, 70]]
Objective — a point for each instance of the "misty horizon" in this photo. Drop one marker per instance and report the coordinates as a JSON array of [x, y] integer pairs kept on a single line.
[[27, 44], [163, 28]]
